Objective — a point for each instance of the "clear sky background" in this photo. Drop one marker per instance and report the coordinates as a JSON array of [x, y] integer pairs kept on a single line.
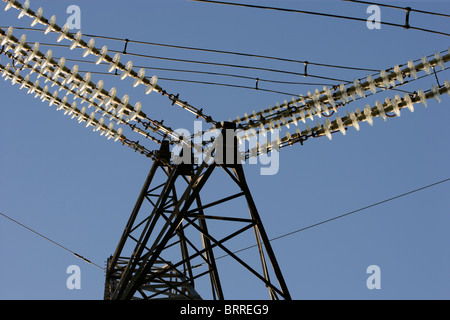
[[78, 189]]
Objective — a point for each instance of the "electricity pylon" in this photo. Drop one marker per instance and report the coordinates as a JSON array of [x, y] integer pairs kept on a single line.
[[170, 241]]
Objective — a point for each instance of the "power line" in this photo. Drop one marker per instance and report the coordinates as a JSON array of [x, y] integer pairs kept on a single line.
[[174, 46], [50, 240], [140, 55], [329, 15], [257, 80], [225, 84], [345, 214], [263, 89], [212, 73], [256, 87], [204, 82], [229, 85], [401, 8]]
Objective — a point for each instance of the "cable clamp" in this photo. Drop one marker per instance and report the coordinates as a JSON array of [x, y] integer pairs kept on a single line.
[[126, 45], [408, 10], [82, 258], [174, 98]]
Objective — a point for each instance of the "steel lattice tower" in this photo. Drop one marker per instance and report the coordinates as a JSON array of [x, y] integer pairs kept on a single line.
[[174, 212], [172, 237]]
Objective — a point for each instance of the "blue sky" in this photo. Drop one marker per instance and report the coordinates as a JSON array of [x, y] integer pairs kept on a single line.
[[78, 189]]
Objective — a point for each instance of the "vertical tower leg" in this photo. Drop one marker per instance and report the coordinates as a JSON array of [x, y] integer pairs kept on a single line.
[[262, 239]]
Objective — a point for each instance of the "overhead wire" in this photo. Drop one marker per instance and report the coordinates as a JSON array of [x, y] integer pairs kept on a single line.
[[51, 241], [212, 73], [256, 79], [401, 8], [269, 90], [207, 73], [329, 15], [229, 65], [375, 204], [223, 52], [245, 54], [203, 82]]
